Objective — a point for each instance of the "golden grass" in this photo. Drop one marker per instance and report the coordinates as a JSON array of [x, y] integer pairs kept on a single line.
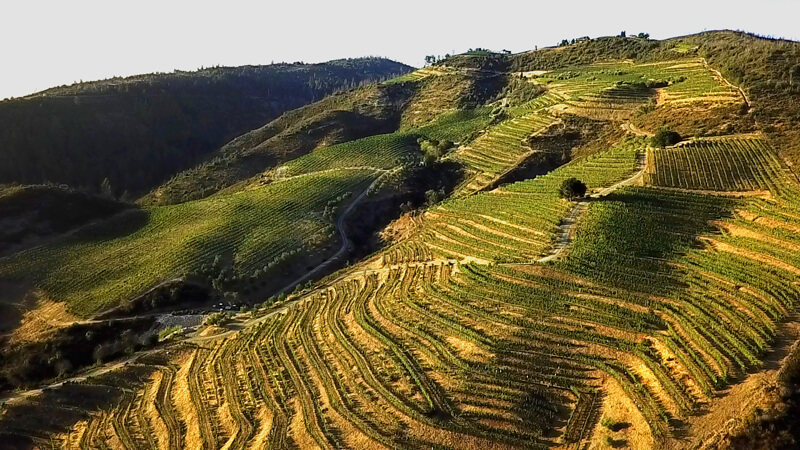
[[619, 407], [297, 427], [160, 431], [184, 406], [469, 350], [40, 322], [264, 418]]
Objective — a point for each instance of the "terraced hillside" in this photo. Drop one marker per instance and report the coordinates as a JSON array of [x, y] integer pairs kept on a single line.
[[517, 222], [603, 91], [509, 355], [653, 313], [729, 164]]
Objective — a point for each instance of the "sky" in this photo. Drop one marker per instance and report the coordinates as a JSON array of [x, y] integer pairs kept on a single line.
[[46, 43]]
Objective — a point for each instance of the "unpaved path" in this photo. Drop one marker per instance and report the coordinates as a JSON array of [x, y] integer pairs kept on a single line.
[[565, 230], [724, 80], [345, 241], [281, 179], [633, 129], [16, 396]]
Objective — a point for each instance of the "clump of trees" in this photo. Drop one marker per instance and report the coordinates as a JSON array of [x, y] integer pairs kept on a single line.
[[432, 197], [433, 148], [665, 137], [520, 90], [218, 318], [572, 188], [432, 59], [566, 42]]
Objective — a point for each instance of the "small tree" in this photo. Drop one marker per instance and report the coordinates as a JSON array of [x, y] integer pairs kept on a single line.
[[665, 137], [572, 188]]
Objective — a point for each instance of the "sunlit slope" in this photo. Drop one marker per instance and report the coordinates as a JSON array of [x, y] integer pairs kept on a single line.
[[251, 231], [612, 91], [517, 222], [737, 163], [657, 300]]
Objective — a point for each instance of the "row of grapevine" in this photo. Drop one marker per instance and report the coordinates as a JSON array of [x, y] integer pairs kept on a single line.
[[731, 164], [721, 310], [682, 81], [515, 222], [250, 231], [384, 151], [420, 355]]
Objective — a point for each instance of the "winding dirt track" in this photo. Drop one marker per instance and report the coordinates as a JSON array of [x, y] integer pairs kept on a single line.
[[633, 129], [340, 228], [724, 80]]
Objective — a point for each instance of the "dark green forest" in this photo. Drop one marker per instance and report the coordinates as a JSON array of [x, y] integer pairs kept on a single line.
[[139, 131]]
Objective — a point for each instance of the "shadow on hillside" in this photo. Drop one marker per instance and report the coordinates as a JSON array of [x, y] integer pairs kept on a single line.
[[10, 317], [55, 410], [639, 232], [120, 225]]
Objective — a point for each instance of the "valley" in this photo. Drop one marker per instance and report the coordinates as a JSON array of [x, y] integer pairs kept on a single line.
[[407, 273]]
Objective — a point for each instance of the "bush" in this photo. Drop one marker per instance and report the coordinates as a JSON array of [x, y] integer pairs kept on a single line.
[[665, 137], [433, 197], [218, 318], [608, 422], [167, 333], [434, 149], [572, 188]]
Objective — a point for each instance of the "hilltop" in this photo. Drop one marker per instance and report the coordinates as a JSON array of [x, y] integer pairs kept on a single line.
[[397, 265]]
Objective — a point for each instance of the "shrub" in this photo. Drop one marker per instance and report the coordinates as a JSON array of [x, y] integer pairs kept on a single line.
[[434, 149], [167, 333], [608, 422], [218, 318]]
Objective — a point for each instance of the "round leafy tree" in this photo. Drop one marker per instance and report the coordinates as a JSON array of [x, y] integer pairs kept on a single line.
[[572, 188], [665, 137]]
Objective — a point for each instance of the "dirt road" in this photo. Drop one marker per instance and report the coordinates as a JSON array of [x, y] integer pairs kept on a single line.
[[567, 227]]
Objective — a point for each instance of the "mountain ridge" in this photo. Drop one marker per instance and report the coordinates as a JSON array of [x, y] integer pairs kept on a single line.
[[138, 131]]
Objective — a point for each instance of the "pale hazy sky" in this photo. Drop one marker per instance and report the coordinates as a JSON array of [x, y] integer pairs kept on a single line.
[[45, 43]]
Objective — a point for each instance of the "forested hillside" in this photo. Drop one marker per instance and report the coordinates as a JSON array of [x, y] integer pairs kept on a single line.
[[403, 103], [139, 131]]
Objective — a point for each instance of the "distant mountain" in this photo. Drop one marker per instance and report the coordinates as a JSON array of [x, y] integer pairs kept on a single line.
[[139, 131]]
